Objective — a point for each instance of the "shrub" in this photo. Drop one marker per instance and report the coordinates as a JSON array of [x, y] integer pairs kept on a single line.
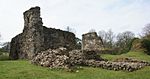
[[146, 45], [3, 57], [1, 53]]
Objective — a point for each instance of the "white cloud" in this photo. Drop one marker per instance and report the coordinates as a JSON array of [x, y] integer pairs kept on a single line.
[[82, 15]]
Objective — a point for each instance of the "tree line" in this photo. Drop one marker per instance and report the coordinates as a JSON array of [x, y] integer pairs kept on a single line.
[[121, 42]]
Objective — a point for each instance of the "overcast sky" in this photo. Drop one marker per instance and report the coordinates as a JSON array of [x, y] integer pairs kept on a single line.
[[82, 15]]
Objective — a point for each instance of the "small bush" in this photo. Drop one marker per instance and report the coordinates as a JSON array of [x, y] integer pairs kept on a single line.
[[4, 57], [146, 45], [1, 53]]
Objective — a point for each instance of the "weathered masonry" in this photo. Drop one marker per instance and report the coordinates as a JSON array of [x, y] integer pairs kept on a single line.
[[91, 42], [36, 37]]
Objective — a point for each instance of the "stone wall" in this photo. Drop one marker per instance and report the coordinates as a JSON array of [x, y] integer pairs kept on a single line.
[[55, 38], [33, 36], [91, 45], [91, 42], [15, 46], [36, 37]]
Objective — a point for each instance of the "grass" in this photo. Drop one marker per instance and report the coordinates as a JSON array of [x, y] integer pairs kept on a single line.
[[131, 54], [23, 69]]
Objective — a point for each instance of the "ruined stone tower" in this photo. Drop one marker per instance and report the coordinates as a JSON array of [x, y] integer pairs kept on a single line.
[[91, 45], [36, 37], [91, 42], [33, 32]]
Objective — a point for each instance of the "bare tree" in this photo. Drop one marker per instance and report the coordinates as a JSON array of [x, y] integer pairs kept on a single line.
[[146, 31], [92, 30], [110, 38], [107, 38], [124, 40], [6, 46], [102, 34], [69, 29]]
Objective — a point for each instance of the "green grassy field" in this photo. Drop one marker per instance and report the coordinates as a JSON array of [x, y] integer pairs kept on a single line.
[[136, 55], [22, 69]]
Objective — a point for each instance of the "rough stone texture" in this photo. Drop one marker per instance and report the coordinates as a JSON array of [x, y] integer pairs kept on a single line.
[[52, 58], [130, 60], [55, 38], [127, 66], [33, 36], [61, 58], [76, 57], [16, 43], [91, 45], [91, 42], [36, 37], [91, 55]]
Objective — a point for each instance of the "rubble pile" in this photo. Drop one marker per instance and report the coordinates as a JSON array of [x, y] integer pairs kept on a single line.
[[53, 58], [76, 57], [131, 60], [121, 65]]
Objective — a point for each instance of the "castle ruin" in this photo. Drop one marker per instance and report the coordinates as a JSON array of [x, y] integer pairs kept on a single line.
[[36, 37], [55, 48]]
